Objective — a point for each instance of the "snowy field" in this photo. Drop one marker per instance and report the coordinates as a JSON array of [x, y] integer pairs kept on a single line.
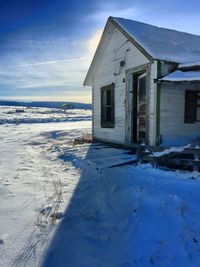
[[41, 115], [65, 205]]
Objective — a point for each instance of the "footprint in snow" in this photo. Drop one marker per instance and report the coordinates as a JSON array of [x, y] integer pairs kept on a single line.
[[7, 183]]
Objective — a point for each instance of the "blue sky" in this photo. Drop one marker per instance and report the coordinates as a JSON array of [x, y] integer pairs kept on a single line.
[[46, 46]]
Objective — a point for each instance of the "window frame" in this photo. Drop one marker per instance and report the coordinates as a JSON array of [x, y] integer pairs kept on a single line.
[[191, 106], [104, 106], [198, 105]]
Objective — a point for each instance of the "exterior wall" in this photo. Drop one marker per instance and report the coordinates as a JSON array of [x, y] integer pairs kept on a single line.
[[167, 68], [119, 48], [173, 130]]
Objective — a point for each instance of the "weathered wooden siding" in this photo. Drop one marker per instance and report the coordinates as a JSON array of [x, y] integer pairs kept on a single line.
[[152, 104], [172, 128], [119, 48]]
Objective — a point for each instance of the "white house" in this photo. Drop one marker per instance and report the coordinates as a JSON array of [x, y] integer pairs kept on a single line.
[[145, 85]]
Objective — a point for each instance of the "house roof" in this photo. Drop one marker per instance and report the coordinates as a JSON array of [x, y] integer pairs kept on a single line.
[[154, 42], [189, 65], [163, 44], [182, 76]]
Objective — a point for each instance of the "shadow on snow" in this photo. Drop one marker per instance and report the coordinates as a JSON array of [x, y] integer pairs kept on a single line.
[[95, 228]]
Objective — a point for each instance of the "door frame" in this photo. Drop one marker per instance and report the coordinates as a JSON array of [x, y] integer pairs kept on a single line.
[[129, 100]]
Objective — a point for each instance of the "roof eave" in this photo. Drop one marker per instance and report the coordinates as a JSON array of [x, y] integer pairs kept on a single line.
[[176, 81], [190, 68]]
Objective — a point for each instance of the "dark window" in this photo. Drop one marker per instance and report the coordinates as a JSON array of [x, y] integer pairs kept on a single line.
[[191, 106], [142, 90], [107, 106], [198, 106]]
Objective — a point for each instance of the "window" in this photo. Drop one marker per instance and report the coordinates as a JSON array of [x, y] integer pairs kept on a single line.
[[107, 106], [192, 106], [198, 106]]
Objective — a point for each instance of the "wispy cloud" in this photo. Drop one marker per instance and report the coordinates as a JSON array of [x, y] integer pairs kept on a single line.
[[53, 77], [51, 61], [48, 62]]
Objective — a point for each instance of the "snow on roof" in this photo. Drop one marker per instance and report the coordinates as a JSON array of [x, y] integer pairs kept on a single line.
[[178, 75], [161, 43], [189, 64]]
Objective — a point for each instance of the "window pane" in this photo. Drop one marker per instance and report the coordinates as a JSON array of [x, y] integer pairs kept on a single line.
[[198, 108], [142, 109], [104, 98], [142, 88], [142, 121], [107, 106], [190, 106], [108, 114], [198, 114], [108, 97]]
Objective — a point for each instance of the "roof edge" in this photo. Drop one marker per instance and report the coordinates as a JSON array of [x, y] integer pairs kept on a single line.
[[134, 42]]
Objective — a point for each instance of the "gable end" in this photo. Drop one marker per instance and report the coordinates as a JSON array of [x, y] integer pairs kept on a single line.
[[110, 25], [132, 40]]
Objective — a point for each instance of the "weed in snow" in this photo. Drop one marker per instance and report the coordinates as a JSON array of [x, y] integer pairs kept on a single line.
[[46, 219]]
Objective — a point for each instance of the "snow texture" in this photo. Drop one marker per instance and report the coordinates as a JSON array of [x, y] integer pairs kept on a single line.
[[64, 205], [178, 75], [170, 150], [161, 43], [189, 64], [41, 115]]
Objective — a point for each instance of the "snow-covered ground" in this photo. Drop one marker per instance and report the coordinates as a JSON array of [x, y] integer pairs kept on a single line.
[[41, 115], [65, 205]]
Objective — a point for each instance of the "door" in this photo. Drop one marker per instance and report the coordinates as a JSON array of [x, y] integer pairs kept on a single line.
[[141, 108]]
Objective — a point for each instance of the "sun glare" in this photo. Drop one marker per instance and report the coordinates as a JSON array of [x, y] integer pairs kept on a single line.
[[94, 40]]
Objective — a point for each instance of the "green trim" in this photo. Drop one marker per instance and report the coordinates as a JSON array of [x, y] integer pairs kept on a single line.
[[158, 104]]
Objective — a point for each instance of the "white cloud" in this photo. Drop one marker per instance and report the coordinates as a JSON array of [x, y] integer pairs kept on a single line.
[[57, 76], [48, 62], [39, 62]]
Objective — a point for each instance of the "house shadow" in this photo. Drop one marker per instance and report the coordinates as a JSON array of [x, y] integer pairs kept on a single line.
[[95, 227]]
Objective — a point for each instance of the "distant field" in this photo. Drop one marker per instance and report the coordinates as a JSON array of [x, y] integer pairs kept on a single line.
[[46, 104]]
